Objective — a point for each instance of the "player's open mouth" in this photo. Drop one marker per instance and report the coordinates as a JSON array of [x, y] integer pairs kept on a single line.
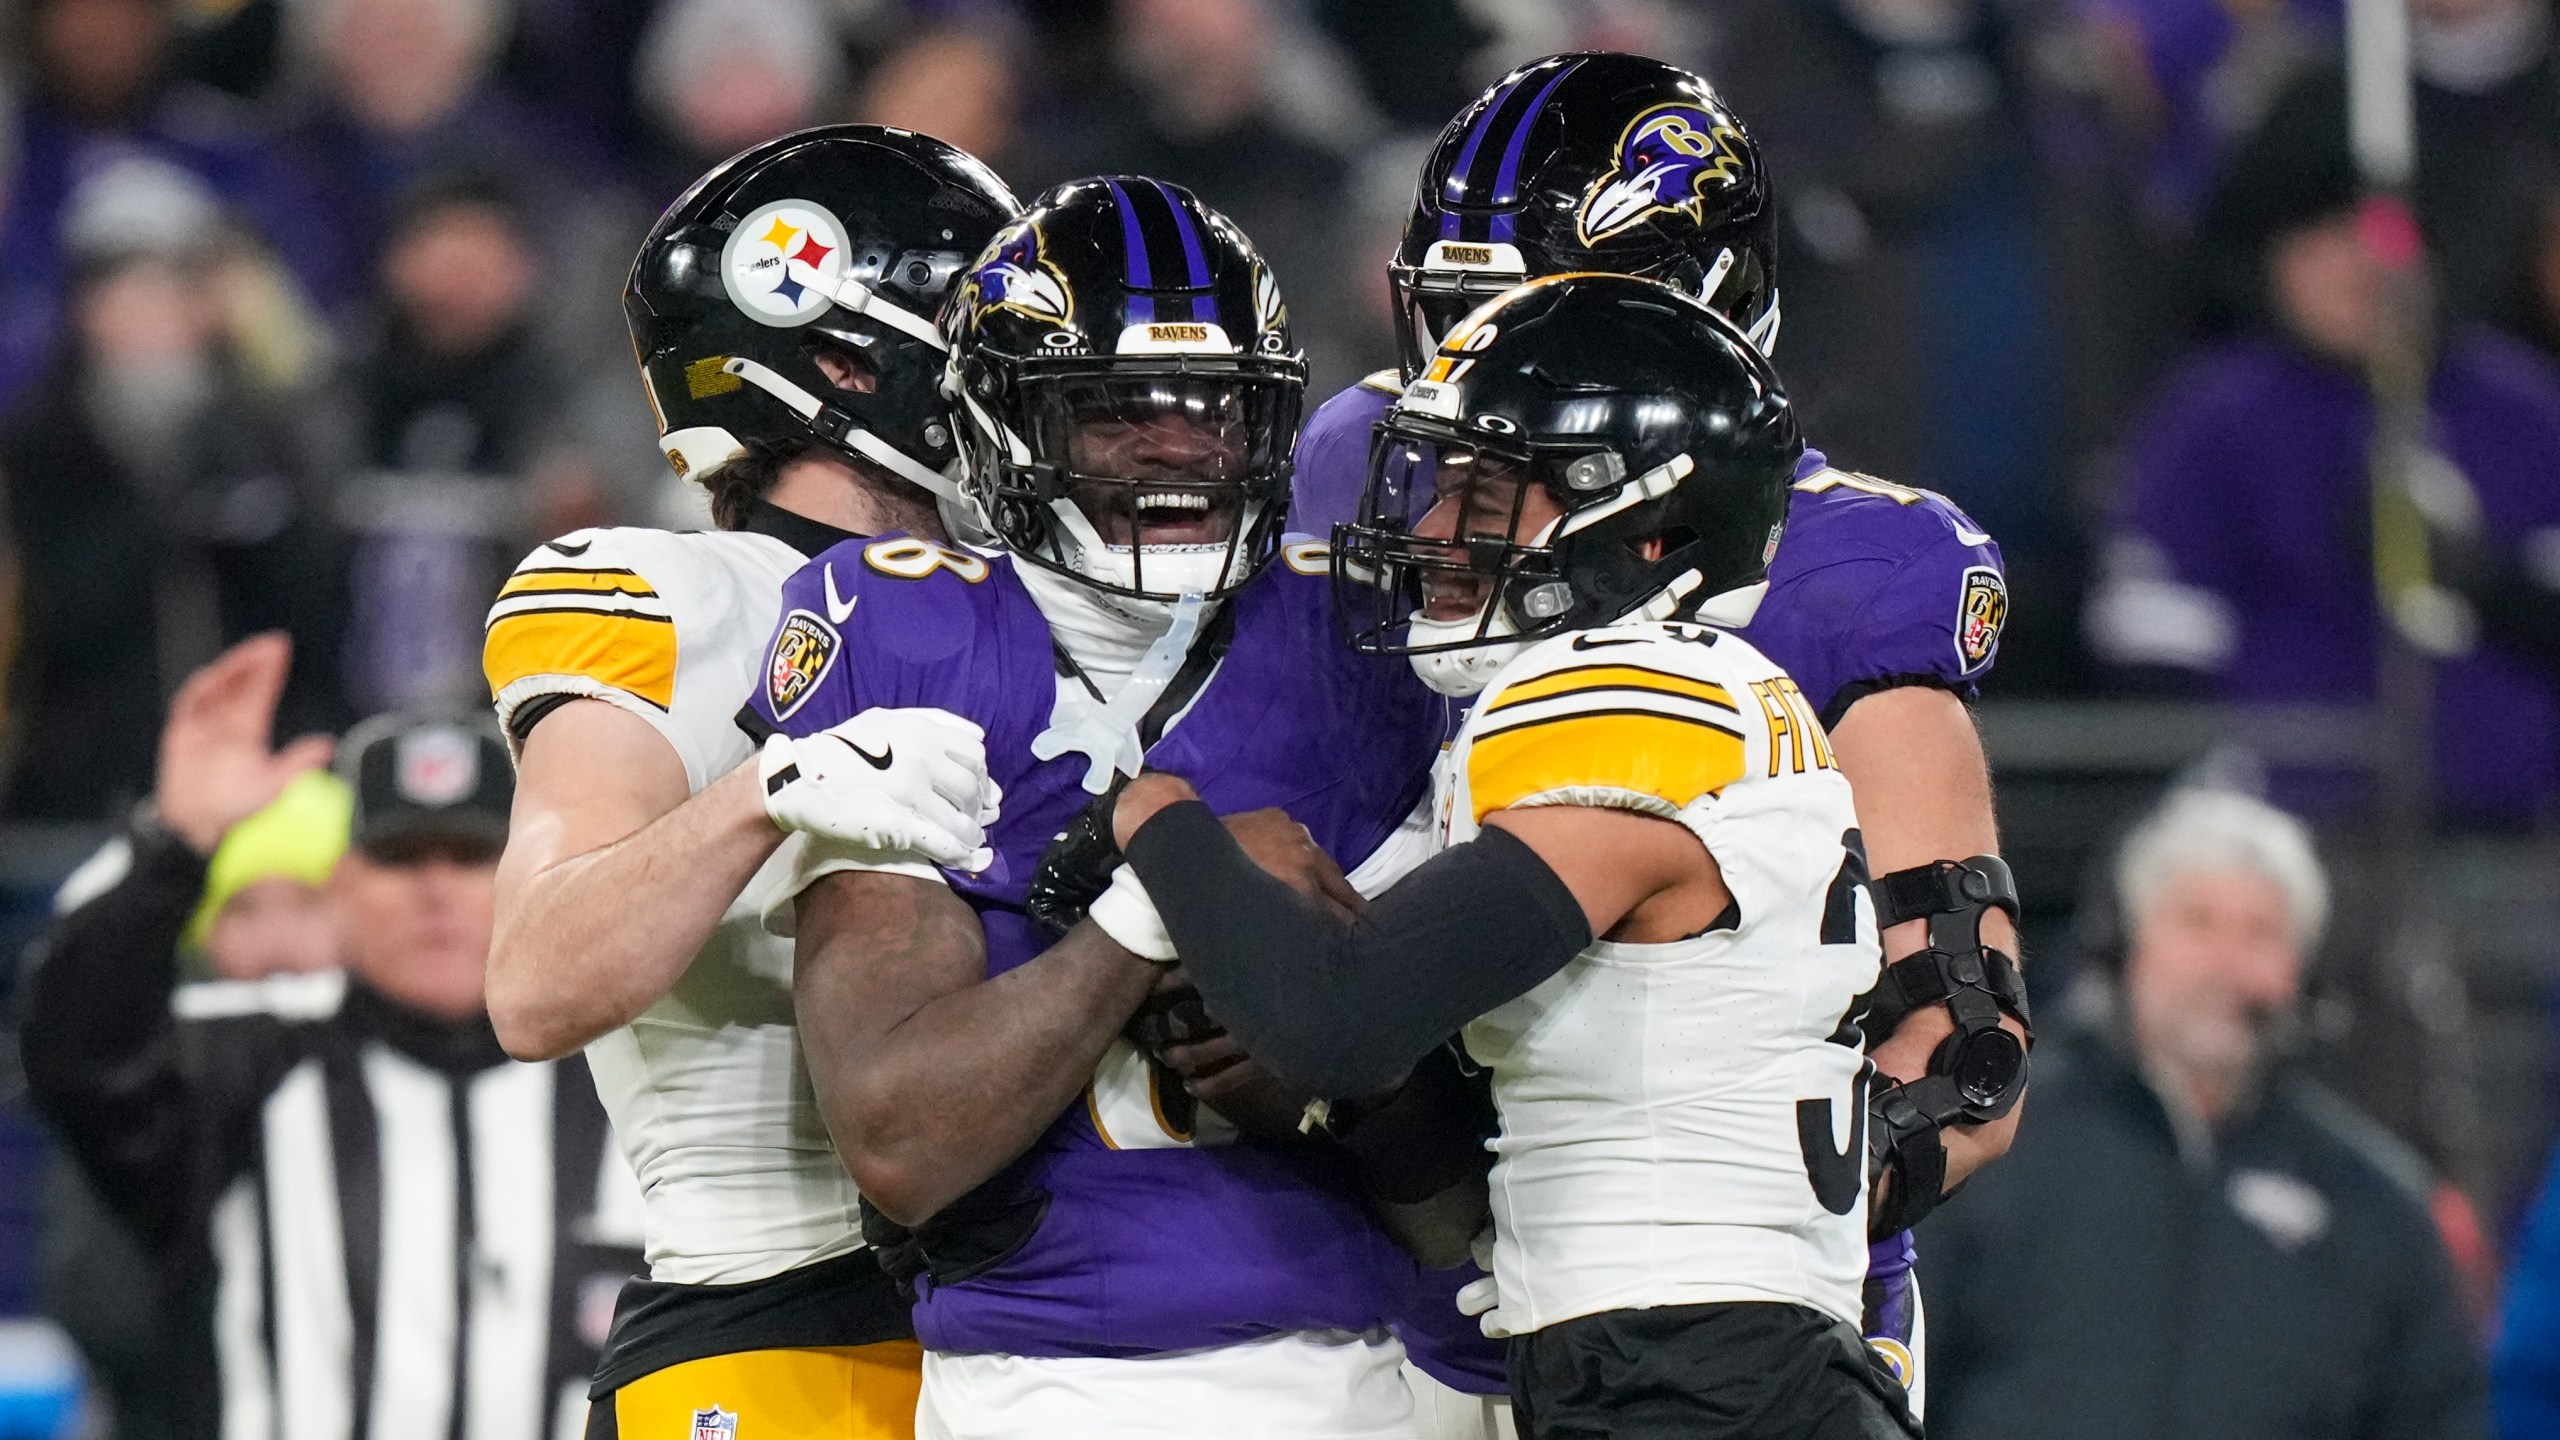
[[1173, 517], [1453, 594]]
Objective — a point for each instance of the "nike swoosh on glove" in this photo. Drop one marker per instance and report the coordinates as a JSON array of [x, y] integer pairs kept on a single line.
[[899, 784]]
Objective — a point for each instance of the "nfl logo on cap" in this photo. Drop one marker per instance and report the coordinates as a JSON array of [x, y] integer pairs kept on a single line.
[[714, 1424], [427, 781], [436, 765]]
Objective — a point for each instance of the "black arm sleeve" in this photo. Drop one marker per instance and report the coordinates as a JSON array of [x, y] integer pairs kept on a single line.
[[1346, 1007], [99, 1043]]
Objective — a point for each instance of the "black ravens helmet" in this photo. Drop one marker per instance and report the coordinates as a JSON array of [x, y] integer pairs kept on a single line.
[[1588, 162], [1585, 450], [1127, 391], [792, 292]]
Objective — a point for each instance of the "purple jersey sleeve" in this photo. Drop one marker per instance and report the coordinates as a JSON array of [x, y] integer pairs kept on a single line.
[[1333, 456], [805, 684], [1879, 585]]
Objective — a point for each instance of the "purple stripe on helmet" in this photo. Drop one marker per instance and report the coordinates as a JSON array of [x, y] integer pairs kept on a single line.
[[1506, 181], [1454, 189], [1133, 242], [1193, 255]]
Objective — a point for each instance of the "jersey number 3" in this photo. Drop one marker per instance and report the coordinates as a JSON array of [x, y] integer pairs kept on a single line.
[[1836, 1174]]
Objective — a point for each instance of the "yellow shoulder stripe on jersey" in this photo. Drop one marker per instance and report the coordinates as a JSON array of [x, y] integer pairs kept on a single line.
[[1603, 679], [632, 653], [561, 580], [1669, 757]]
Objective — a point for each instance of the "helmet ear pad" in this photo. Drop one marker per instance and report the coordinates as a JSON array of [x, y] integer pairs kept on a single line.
[[901, 381], [1621, 563]]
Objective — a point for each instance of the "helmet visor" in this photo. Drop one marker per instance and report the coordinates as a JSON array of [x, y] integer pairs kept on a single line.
[[1162, 459], [1448, 529], [1175, 477]]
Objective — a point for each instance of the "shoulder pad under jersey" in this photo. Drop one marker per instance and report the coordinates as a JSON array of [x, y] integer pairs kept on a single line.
[[1333, 455], [665, 625], [1878, 585], [892, 620], [1648, 716]]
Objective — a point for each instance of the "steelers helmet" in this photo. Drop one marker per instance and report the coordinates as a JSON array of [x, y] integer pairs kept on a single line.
[[1586, 450], [793, 293]]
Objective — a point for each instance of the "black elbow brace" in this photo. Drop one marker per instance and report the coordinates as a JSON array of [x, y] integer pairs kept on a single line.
[[1978, 1074]]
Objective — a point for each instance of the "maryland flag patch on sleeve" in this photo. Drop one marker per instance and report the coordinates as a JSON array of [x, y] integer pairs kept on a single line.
[[601, 624], [803, 650], [1980, 612]]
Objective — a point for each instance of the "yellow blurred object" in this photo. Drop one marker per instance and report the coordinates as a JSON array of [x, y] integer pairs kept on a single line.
[[273, 326], [298, 837]]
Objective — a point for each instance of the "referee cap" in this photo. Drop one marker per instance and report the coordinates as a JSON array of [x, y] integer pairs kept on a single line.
[[427, 780]]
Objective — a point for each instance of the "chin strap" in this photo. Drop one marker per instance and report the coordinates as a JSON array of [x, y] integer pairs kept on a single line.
[[838, 427], [1981, 1070]]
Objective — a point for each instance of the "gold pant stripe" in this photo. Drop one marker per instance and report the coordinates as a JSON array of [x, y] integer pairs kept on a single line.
[[851, 1392]]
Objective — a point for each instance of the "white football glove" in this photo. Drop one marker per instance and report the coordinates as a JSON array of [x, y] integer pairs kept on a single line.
[[901, 784]]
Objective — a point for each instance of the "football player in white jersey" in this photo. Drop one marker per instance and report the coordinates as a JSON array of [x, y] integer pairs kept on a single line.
[[782, 312], [1648, 917]]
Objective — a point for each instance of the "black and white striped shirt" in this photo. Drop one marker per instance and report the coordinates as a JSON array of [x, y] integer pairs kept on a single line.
[[400, 1234]]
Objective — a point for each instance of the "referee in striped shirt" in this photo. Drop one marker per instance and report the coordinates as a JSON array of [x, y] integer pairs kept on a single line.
[[364, 1219]]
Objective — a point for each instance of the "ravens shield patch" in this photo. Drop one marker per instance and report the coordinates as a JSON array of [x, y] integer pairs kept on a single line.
[[802, 650], [1982, 610]]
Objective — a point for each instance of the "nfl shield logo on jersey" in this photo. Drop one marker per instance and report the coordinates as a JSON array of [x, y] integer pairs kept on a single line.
[[802, 651], [715, 1424]]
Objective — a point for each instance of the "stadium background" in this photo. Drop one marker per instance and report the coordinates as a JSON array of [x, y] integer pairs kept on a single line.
[[2013, 231]]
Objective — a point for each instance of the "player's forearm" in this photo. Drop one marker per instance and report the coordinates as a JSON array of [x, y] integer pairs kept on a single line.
[[1346, 1006], [927, 1105], [1923, 786], [586, 942]]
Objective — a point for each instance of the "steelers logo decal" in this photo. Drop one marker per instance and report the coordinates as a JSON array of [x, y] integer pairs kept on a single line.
[[783, 261]]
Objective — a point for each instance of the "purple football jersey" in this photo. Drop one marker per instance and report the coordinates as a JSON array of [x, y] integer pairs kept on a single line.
[[1875, 585], [1141, 1250]]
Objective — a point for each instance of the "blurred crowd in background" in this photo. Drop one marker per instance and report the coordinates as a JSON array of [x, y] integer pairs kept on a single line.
[[317, 298], [309, 322]]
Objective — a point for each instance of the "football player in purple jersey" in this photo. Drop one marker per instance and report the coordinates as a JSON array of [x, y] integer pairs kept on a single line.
[[1091, 1252], [1885, 602]]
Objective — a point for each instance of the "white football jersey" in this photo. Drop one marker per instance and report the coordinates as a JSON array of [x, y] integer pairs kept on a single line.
[[1682, 1123], [707, 1089]]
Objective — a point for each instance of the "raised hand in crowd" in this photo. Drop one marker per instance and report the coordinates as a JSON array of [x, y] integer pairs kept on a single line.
[[218, 761]]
